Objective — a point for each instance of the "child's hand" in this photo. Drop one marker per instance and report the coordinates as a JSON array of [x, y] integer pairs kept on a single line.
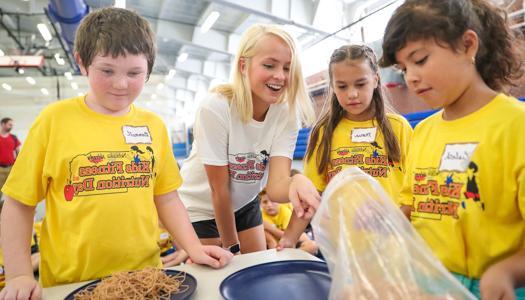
[[304, 196], [496, 284], [213, 256], [21, 288], [174, 259], [285, 242]]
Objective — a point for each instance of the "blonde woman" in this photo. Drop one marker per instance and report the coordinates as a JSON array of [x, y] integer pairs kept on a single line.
[[245, 133]]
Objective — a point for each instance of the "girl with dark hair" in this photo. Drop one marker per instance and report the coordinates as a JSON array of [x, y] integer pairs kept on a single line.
[[356, 130], [458, 55]]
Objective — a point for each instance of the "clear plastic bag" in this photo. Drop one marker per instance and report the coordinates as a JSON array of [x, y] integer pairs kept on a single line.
[[371, 249]]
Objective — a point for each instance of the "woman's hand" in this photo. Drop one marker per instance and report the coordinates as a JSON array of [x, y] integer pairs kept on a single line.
[[304, 196], [213, 256]]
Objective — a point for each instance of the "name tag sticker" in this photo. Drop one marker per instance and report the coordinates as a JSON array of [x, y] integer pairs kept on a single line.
[[364, 135], [136, 135], [456, 157]]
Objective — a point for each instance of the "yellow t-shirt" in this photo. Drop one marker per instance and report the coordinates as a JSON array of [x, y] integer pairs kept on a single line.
[[362, 144], [466, 182], [165, 240], [281, 219], [98, 174]]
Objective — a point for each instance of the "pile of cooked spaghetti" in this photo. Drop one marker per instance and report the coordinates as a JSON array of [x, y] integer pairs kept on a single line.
[[149, 283]]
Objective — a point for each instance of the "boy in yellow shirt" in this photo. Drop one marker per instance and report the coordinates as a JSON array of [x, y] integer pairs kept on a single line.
[[103, 202], [276, 217]]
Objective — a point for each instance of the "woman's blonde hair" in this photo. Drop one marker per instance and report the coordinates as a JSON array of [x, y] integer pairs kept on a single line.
[[239, 90]]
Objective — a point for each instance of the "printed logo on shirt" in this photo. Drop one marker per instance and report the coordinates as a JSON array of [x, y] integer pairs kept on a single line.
[[247, 167], [456, 157], [110, 172], [371, 159], [136, 134], [439, 194], [364, 135]]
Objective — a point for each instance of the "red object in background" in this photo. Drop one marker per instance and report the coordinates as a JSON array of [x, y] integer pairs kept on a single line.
[[392, 84], [69, 192]]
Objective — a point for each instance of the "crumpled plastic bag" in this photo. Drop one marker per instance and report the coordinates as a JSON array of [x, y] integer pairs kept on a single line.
[[371, 249]]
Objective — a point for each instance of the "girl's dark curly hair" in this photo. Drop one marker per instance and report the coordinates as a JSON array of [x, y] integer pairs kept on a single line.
[[501, 50]]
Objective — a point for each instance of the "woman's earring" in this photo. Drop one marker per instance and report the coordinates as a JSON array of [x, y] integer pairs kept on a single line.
[[473, 59]]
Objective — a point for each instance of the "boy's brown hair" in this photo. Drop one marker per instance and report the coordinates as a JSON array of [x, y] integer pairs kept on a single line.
[[114, 31], [262, 192]]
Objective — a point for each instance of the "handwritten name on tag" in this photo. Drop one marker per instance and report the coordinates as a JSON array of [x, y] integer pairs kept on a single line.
[[456, 157], [136, 135], [364, 135]]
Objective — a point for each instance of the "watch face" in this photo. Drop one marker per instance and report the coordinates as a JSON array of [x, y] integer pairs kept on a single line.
[[235, 248]]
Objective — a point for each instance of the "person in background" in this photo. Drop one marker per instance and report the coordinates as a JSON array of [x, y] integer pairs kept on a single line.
[[276, 217], [244, 132], [464, 189], [9, 148], [102, 205], [170, 254]]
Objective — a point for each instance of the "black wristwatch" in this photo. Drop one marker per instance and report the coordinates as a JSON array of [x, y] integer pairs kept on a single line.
[[235, 248]]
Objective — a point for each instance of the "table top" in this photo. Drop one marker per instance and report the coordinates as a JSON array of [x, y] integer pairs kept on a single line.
[[208, 279]]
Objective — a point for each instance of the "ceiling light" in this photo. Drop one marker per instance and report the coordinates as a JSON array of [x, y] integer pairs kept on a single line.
[[2, 52], [44, 91], [6, 86], [74, 85], [171, 74], [160, 86], [30, 80], [154, 96], [68, 75], [120, 3], [182, 57], [210, 20], [59, 59], [44, 31]]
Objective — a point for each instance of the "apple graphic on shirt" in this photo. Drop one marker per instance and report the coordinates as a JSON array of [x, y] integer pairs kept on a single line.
[[69, 192]]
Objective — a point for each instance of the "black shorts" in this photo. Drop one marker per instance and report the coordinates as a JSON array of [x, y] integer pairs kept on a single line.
[[247, 217]]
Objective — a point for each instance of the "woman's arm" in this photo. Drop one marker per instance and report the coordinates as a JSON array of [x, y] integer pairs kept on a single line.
[[219, 180]]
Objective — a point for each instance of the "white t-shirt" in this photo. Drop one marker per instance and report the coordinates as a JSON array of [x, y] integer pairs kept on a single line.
[[222, 139]]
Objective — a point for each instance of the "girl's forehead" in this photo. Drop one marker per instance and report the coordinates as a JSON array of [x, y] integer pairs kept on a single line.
[[412, 47], [361, 64], [272, 46]]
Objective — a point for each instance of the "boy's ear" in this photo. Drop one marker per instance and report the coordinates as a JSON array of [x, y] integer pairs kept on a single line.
[[83, 70], [470, 43]]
